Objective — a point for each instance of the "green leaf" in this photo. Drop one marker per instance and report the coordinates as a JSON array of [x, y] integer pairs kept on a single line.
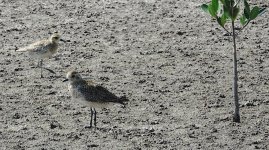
[[223, 19], [254, 12], [226, 11], [235, 13], [262, 10], [212, 12], [219, 21], [243, 20], [246, 9], [226, 3], [215, 6], [232, 3], [246, 6], [205, 8], [247, 14], [228, 7]]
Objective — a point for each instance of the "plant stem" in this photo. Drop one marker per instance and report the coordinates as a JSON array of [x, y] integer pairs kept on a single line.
[[243, 27], [229, 34], [236, 117]]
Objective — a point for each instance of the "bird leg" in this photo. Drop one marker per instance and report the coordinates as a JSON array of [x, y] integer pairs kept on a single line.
[[40, 65], [91, 117], [51, 71], [94, 117]]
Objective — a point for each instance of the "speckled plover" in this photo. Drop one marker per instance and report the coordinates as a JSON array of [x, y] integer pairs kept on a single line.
[[43, 49], [94, 96]]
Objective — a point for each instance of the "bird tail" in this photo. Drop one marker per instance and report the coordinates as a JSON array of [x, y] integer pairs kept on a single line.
[[24, 49], [123, 100]]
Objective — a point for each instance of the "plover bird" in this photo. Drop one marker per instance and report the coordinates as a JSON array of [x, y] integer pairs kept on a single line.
[[42, 49], [94, 96]]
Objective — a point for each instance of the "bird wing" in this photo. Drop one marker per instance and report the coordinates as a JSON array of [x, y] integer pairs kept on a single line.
[[40, 46], [89, 82], [97, 93], [105, 94]]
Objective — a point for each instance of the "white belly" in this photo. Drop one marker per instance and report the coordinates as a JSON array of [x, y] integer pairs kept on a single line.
[[79, 98], [38, 55]]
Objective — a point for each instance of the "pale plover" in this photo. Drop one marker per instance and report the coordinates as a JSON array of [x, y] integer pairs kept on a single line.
[[42, 49]]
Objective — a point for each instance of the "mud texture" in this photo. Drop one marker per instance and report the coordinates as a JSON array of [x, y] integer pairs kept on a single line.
[[167, 56]]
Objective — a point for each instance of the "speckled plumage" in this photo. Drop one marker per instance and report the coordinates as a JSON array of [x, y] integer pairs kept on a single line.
[[42, 49], [94, 96]]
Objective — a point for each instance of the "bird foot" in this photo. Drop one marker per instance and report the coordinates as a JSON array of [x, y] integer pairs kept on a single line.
[[88, 127], [51, 71]]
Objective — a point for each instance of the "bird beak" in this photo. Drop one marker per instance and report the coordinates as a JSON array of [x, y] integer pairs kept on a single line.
[[65, 80], [63, 40]]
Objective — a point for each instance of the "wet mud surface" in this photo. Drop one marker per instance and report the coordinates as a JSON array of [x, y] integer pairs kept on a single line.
[[168, 57]]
